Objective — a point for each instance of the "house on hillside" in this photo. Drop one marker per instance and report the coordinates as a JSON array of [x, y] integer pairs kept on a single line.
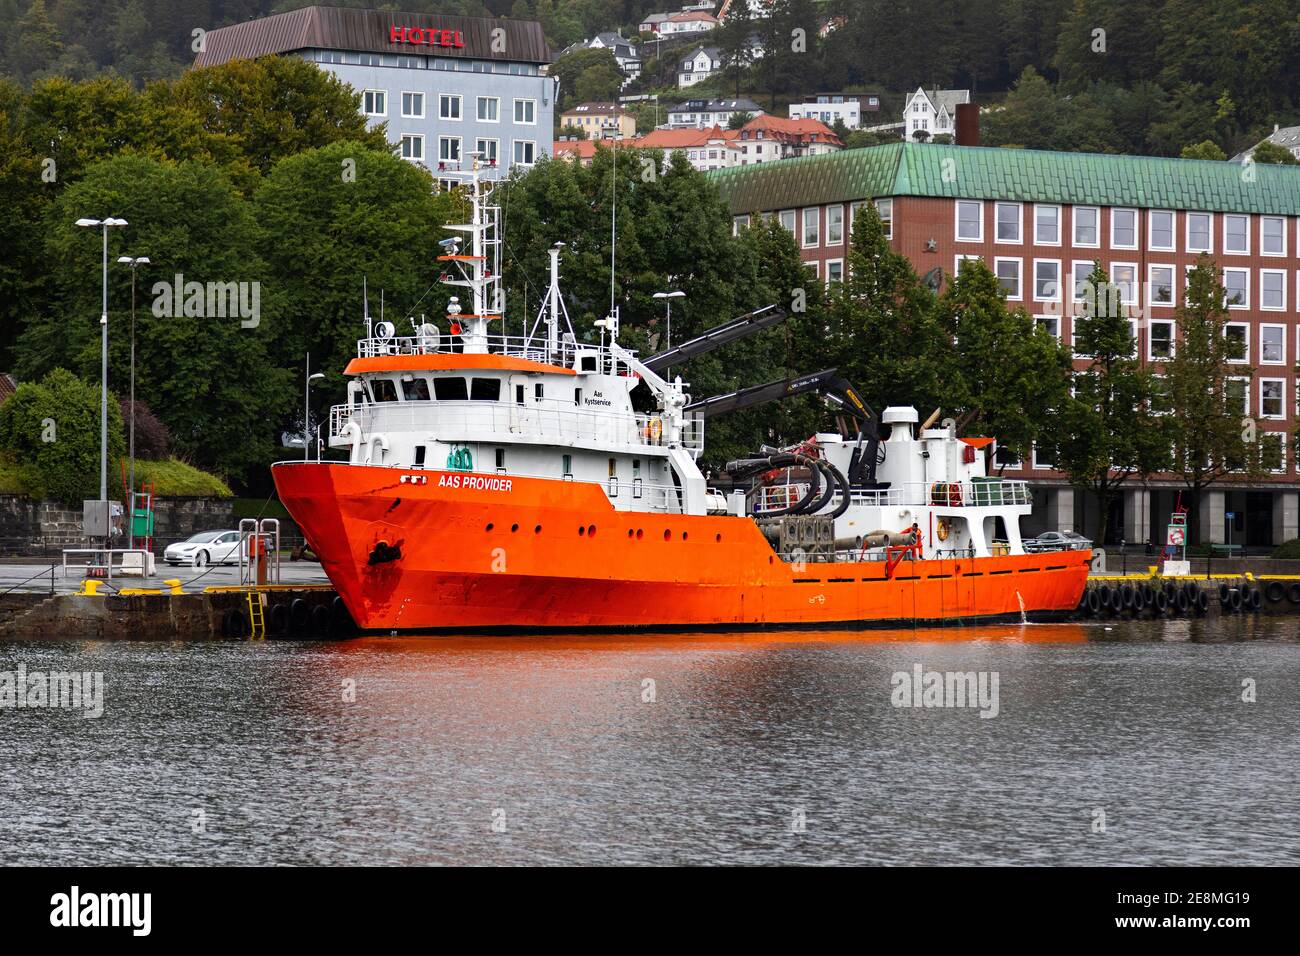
[[832, 107], [765, 139], [599, 120], [927, 115], [625, 53], [698, 65], [702, 114], [1288, 137]]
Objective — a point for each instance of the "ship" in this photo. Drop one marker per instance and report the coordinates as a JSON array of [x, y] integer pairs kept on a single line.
[[546, 482]]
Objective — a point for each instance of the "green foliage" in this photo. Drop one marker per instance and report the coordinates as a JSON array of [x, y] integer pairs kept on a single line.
[[209, 377], [1107, 431], [884, 334], [173, 478], [51, 431], [1014, 372], [1270, 152], [1211, 436], [1205, 149], [586, 75], [1288, 550], [381, 224]]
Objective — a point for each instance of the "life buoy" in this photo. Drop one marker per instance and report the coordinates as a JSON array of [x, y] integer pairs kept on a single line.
[[941, 530], [654, 430]]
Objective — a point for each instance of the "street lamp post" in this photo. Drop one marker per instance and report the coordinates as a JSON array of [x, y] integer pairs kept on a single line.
[[668, 299], [130, 492], [306, 408], [105, 225]]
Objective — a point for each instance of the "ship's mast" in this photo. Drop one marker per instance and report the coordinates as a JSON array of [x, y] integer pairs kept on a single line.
[[480, 270]]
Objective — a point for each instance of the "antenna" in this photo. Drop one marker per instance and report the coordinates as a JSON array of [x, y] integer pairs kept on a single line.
[[365, 304]]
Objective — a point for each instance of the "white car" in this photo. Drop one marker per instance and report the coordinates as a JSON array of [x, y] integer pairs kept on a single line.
[[204, 548]]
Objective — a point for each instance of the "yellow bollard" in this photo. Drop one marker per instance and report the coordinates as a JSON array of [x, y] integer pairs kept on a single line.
[[174, 584], [90, 588]]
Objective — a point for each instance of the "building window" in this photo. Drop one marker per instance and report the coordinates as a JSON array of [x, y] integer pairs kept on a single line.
[[1236, 234], [1042, 459], [413, 147], [1047, 225], [413, 105], [489, 109], [970, 221], [1272, 404], [1272, 344], [1160, 340], [834, 225], [960, 261], [1236, 286], [449, 149], [1199, 232], [1238, 336], [834, 270], [525, 152], [488, 149], [1236, 394], [1123, 228], [1272, 235], [788, 220], [1085, 226], [1009, 216], [526, 112], [811, 227], [1160, 285], [448, 106], [1272, 289], [1082, 270], [1272, 451], [738, 223], [1162, 229], [1008, 273], [885, 210], [1049, 322], [374, 103], [1124, 277], [1047, 280]]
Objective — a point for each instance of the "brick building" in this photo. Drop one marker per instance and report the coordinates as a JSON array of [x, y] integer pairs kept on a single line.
[[1040, 220]]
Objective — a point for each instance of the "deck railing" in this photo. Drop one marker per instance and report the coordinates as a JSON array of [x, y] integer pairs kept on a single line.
[[551, 421], [993, 493]]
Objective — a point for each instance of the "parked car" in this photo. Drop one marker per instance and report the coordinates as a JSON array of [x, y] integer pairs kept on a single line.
[[1058, 541], [206, 547]]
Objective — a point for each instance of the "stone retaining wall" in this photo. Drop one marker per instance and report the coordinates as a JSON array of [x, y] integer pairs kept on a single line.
[[44, 528]]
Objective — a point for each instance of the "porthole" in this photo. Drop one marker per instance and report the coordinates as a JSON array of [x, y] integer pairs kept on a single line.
[[514, 528], [685, 535], [668, 535], [581, 531], [630, 533], [717, 537], [537, 530], [489, 526], [591, 531], [639, 532]]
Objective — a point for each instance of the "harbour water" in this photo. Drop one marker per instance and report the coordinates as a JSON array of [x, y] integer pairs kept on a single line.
[[1112, 743]]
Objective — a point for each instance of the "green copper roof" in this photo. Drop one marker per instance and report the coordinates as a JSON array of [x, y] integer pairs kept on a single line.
[[976, 172]]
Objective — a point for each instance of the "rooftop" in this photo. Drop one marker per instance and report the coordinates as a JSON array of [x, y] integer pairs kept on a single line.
[[979, 172], [339, 28]]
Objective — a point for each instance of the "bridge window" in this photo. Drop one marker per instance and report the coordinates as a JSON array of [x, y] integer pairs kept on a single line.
[[485, 390], [539, 392], [419, 456], [384, 389], [415, 389], [450, 389]]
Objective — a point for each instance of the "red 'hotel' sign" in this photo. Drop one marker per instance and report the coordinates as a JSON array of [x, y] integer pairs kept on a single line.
[[426, 37]]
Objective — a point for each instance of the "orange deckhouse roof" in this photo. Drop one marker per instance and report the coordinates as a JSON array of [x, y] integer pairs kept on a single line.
[[446, 362]]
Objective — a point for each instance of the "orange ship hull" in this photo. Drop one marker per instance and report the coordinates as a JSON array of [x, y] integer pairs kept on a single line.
[[436, 551]]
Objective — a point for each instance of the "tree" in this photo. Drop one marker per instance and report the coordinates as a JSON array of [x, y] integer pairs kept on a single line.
[[883, 332], [51, 428], [1270, 152], [204, 369], [1211, 434], [738, 120], [1205, 149], [1014, 373], [1108, 431], [1029, 116], [586, 74], [380, 224]]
